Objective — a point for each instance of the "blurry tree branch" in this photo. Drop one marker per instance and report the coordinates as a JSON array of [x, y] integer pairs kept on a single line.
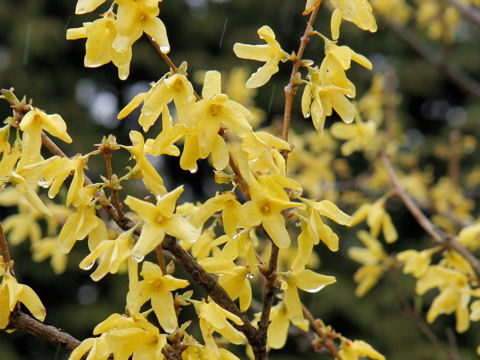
[[462, 80]]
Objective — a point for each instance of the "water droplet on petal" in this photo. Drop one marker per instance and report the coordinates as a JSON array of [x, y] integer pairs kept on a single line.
[[250, 276], [194, 170], [43, 184], [89, 266], [138, 259], [316, 289], [164, 49]]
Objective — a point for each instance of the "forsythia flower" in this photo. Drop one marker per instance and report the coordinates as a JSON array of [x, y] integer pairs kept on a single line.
[[377, 218], [306, 280], [416, 263], [372, 257], [99, 50], [48, 247], [175, 87], [123, 337], [352, 350], [454, 294], [157, 288], [358, 12], [271, 53], [32, 125], [12, 292], [214, 318], [204, 120], [151, 179], [111, 254], [266, 208], [160, 220], [360, 136]]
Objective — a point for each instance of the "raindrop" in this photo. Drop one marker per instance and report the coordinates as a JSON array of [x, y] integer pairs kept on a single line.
[[164, 49], [89, 266], [138, 259], [250, 276], [308, 115], [223, 33], [43, 184], [193, 170], [316, 289]]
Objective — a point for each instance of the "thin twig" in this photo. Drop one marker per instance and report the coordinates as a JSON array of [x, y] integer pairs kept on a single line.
[[4, 247], [438, 236], [469, 12], [58, 338], [291, 88], [463, 81], [327, 342], [406, 308], [161, 259]]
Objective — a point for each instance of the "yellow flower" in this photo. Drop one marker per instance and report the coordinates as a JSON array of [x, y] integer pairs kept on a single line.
[[157, 288], [313, 229], [233, 279], [454, 294], [377, 218], [372, 257], [29, 193], [266, 208], [111, 254], [86, 6], [352, 350], [278, 330], [50, 173], [32, 125], [232, 215], [123, 337], [12, 292], [160, 220], [175, 87], [271, 53], [306, 280], [136, 17], [416, 263], [204, 120], [151, 179], [360, 136], [48, 247], [99, 49], [358, 12], [214, 318]]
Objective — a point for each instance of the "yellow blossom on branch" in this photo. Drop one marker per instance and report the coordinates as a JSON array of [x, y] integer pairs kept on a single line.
[[157, 288], [12, 292], [271, 53], [160, 219]]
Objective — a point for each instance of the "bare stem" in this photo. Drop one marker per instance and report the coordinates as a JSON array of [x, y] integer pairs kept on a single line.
[[462, 80], [25, 323], [438, 236], [4, 247], [161, 259], [406, 308], [327, 342], [292, 86]]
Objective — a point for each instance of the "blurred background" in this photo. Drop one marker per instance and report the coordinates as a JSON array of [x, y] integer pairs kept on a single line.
[[37, 60]]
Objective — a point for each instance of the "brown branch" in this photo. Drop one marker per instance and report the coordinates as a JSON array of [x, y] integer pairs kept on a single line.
[[292, 86], [438, 236], [408, 310], [25, 323], [209, 284], [327, 342], [462, 80], [4, 247], [469, 12], [161, 259]]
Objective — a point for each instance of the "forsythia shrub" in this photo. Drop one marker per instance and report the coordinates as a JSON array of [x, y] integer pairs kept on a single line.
[[251, 248]]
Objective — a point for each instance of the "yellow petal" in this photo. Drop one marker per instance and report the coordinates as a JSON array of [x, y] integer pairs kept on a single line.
[[86, 6], [330, 210], [312, 282], [211, 84], [335, 23]]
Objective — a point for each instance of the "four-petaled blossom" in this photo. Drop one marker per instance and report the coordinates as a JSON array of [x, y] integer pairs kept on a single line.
[[12, 292], [271, 53], [157, 288], [353, 350], [160, 220], [306, 280]]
